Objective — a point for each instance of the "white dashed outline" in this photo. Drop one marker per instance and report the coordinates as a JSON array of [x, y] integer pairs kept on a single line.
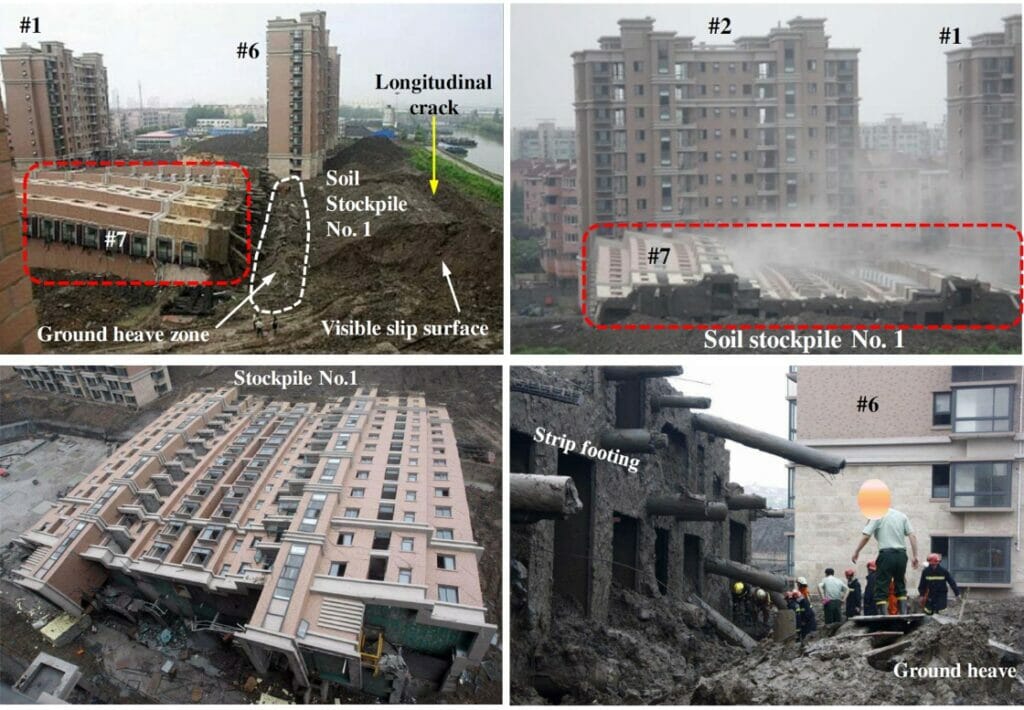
[[259, 247]]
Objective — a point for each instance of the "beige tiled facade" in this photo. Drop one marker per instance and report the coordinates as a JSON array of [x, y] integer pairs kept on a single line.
[[667, 128], [948, 442], [129, 386], [57, 104], [308, 531], [303, 80]]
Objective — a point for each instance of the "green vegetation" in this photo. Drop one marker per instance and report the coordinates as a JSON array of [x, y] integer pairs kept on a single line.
[[197, 112], [248, 117], [359, 112], [451, 173], [525, 256]]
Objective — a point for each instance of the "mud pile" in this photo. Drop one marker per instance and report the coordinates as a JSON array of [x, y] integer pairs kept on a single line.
[[373, 155], [650, 651], [245, 148], [831, 669], [395, 273]]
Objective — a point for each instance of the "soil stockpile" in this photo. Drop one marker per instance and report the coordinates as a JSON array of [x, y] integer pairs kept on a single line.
[[245, 148]]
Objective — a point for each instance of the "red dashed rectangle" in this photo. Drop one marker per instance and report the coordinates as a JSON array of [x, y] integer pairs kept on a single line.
[[128, 164], [799, 225]]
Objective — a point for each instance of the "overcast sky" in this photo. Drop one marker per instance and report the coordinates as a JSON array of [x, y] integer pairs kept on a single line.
[[186, 52], [750, 394], [902, 64]]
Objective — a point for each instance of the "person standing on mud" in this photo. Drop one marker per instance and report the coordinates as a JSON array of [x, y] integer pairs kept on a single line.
[[833, 593], [258, 325], [273, 326], [869, 590], [932, 587], [891, 531], [853, 599]]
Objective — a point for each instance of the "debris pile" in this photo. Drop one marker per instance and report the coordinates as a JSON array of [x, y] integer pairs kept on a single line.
[[832, 669], [652, 650], [246, 148]]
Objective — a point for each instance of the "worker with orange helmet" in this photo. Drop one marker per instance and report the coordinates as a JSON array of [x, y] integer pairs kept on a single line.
[[869, 589], [853, 599], [932, 587]]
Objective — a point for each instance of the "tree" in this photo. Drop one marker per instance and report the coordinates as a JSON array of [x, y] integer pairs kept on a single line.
[[196, 112], [517, 200], [248, 117], [525, 256]]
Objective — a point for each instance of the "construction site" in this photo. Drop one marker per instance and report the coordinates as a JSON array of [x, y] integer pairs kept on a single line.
[[160, 561], [630, 545], [393, 275]]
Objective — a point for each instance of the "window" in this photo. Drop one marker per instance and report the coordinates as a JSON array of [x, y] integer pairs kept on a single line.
[[444, 534], [442, 492], [409, 518], [362, 475], [346, 538], [381, 539], [386, 511], [976, 560], [981, 374], [378, 569], [412, 478], [312, 515], [981, 484], [351, 512], [982, 409], [338, 569], [405, 575], [446, 562], [447, 593], [940, 480], [443, 511], [407, 544], [358, 492], [941, 408], [410, 496], [389, 491], [290, 572]]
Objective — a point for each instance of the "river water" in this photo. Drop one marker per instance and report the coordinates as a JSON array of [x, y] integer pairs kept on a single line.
[[488, 154]]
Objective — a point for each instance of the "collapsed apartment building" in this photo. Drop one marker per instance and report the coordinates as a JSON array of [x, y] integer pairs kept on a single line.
[[163, 221], [695, 278], [333, 542], [584, 530]]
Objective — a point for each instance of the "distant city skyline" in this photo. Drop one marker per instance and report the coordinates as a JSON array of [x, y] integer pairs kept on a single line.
[[145, 43], [543, 38]]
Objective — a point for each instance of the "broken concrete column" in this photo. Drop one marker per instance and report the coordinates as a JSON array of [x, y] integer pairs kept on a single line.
[[686, 508], [679, 401], [728, 629], [631, 441], [746, 501], [789, 450], [745, 573], [534, 497], [639, 373], [769, 514]]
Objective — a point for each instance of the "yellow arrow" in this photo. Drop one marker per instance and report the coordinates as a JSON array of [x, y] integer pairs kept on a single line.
[[433, 155]]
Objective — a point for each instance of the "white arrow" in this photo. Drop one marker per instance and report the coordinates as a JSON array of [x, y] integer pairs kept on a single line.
[[266, 280], [447, 274]]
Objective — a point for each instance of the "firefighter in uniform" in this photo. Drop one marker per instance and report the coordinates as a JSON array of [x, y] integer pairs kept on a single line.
[[932, 587], [869, 590], [853, 599]]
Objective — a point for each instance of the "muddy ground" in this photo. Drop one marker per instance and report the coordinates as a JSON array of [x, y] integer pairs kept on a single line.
[[473, 398], [569, 334], [392, 275], [652, 651]]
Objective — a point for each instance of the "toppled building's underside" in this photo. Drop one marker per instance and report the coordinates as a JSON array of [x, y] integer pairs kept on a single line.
[[694, 278]]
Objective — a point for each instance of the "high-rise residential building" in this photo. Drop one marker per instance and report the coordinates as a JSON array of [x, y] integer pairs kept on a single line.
[[949, 444], [128, 386], [667, 128], [333, 540], [983, 103], [57, 104], [303, 80], [18, 322], [545, 142], [913, 139], [551, 203]]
